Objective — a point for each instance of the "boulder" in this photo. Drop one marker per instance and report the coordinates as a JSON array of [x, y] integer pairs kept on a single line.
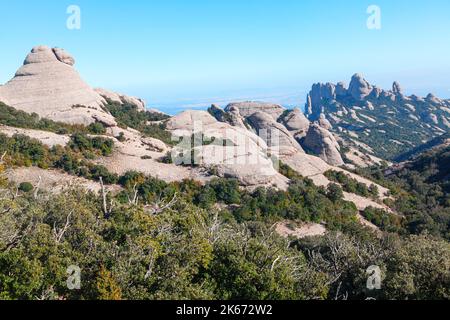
[[191, 120], [277, 137], [431, 98], [64, 56], [244, 156], [322, 143], [324, 123], [247, 108], [397, 89], [121, 98], [359, 88], [295, 120]]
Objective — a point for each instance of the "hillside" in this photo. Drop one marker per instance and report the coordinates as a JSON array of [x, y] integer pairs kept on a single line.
[[384, 123], [253, 201]]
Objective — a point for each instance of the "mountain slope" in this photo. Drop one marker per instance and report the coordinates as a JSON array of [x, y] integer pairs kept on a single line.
[[378, 122]]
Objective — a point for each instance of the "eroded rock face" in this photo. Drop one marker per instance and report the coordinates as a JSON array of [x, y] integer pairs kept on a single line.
[[246, 109], [296, 122], [242, 157], [121, 98], [47, 84], [324, 123], [280, 138], [359, 88], [64, 56], [397, 89], [191, 121], [341, 89], [321, 142]]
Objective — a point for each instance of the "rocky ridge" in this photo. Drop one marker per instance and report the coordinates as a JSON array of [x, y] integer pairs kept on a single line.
[[377, 122], [49, 86]]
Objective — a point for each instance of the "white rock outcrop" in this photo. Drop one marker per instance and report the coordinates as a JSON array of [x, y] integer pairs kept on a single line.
[[47, 84], [296, 122], [247, 108], [121, 98], [322, 142]]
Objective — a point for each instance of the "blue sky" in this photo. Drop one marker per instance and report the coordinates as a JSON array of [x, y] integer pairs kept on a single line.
[[175, 52]]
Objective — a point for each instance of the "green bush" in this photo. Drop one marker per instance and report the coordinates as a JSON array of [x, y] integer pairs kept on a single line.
[[26, 187]]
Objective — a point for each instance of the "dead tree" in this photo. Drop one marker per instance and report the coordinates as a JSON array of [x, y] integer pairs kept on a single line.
[[159, 206], [36, 189], [107, 210], [135, 200], [58, 233]]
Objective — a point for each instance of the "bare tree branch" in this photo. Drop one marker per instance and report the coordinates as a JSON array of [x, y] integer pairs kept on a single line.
[[59, 233], [106, 211], [160, 206], [36, 189]]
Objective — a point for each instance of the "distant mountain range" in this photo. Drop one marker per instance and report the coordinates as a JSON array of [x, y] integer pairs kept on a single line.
[[384, 123]]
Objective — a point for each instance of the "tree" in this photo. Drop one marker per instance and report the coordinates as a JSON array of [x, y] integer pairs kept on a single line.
[[26, 187], [107, 287], [3, 179], [334, 192]]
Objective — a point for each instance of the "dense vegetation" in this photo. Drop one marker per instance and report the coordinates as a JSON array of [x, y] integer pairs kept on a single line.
[[76, 158], [20, 119], [421, 189], [352, 185], [161, 248], [129, 116]]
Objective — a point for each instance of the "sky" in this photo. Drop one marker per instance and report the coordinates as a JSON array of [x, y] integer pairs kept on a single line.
[[178, 53]]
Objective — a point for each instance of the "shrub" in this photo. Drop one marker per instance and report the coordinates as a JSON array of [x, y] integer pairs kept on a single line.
[[96, 128], [26, 187]]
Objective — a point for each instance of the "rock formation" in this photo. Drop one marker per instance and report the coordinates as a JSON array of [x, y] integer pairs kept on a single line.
[[364, 114], [359, 88], [121, 98], [47, 84], [246, 159], [321, 142], [396, 88], [248, 108], [296, 122], [276, 135]]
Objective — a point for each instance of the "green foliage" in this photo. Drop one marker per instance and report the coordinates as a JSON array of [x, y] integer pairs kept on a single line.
[[352, 185], [129, 116], [226, 190], [15, 118], [384, 220], [85, 144], [421, 189], [26, 187], [107, 287], [184, 252], [74, 159], [96, 128], [334, 192], [121, 137]]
